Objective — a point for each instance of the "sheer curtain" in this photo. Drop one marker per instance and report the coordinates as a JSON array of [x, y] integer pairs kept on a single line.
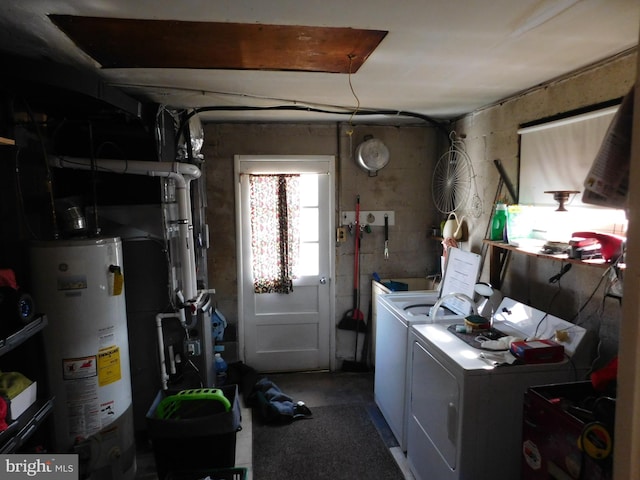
[[275, 235]]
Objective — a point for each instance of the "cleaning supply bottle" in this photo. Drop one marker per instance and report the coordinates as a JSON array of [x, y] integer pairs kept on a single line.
[[498, 222], [221, 370]]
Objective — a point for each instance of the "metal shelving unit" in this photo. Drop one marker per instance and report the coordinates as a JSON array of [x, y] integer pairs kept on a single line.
[[22, 428]]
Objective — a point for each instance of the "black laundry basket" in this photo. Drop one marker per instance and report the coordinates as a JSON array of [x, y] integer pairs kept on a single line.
[[197, 438]]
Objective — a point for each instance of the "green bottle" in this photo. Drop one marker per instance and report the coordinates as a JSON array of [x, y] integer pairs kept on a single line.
[[498, 222]]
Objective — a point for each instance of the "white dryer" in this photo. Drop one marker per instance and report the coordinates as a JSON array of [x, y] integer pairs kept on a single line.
[[465, 418], [396, 312]]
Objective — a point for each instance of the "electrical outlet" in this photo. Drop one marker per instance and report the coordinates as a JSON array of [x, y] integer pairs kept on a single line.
[[341, 234], [192, 347]]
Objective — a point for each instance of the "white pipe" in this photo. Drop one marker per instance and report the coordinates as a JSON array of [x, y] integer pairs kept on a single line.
[[132, 167], [172, 360], [164, 376], [185, 232], [182, 173]]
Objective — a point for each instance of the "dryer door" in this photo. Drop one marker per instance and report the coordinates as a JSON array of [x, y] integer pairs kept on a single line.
[[435, 403]]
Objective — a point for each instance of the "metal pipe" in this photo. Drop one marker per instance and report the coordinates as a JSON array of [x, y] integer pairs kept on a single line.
[[181, 173], [132, 167]]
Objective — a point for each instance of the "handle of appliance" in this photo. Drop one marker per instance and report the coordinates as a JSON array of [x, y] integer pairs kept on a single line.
[[458, 233], [459, 296], [531, 424], [452, 422]]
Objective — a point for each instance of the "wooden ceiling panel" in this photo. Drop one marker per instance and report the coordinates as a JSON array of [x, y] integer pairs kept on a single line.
[[131, 43]]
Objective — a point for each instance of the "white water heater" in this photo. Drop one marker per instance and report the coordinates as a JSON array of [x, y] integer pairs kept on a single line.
[[78, 284]]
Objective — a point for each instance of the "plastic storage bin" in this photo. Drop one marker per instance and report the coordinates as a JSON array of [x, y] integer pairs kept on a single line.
[[396, 286], [195, 439]]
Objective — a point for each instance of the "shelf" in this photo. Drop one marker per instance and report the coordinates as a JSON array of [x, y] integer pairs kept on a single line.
[[20, 430], [12, 341], [499, 248]]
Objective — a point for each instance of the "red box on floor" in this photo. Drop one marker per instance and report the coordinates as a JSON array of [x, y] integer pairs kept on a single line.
[[555, 441]]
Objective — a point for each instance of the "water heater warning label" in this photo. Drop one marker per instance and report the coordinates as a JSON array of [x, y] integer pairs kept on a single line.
[[109, 366], [75, 368]]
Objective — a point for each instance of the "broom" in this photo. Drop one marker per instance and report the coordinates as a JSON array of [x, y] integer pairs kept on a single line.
[[356, 322], [352, 319]]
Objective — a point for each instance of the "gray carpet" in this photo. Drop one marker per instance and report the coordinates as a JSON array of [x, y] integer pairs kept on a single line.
[[339, 442]]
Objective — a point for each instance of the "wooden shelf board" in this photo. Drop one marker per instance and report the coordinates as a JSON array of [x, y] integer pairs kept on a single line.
[[562, 258]]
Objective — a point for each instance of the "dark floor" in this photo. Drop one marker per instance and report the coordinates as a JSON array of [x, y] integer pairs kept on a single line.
[[318, 389], [315, 389]]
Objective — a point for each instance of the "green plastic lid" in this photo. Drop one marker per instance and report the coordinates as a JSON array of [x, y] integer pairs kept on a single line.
[[175, 406]]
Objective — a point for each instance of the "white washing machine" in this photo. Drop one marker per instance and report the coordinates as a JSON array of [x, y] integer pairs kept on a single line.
[[465, 414], [395, 313]]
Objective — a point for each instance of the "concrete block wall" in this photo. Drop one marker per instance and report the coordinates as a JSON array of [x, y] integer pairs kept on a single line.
[[491, 133], [403, 186]]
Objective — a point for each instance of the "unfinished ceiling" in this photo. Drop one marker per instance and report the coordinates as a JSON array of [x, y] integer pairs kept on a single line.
[[433, 58]]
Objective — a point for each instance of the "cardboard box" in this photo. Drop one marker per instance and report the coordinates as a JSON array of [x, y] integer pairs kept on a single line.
[[23, 400]]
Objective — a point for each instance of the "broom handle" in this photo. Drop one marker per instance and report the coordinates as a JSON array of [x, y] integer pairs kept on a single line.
[[356, 266]]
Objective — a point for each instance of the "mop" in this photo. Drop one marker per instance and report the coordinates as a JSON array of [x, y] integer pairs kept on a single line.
[[356, 320], [352, 319]]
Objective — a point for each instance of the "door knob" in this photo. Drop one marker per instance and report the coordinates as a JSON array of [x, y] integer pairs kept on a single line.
[[323, 280]]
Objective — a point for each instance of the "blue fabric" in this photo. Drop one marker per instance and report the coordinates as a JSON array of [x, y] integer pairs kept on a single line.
[[277, 400]]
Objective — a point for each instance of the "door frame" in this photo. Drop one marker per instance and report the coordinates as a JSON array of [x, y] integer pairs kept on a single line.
[[286, 164]]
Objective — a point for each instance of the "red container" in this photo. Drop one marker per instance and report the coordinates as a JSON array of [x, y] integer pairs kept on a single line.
[[538, 351], [553, 435]]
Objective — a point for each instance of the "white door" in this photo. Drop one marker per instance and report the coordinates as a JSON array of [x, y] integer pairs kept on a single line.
[[293, 331]]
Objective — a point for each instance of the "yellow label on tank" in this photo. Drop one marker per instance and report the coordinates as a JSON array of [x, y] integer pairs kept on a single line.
[[109, 366]]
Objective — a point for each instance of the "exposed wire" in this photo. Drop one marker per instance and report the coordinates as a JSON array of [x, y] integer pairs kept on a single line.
[[296, 105], [353, 92], [20, 195], [588, 300], [563, 270], [49, 174], [300, 108], [94, 182]]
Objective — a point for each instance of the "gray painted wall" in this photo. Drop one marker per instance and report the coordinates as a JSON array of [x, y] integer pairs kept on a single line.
[[403, 186]]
